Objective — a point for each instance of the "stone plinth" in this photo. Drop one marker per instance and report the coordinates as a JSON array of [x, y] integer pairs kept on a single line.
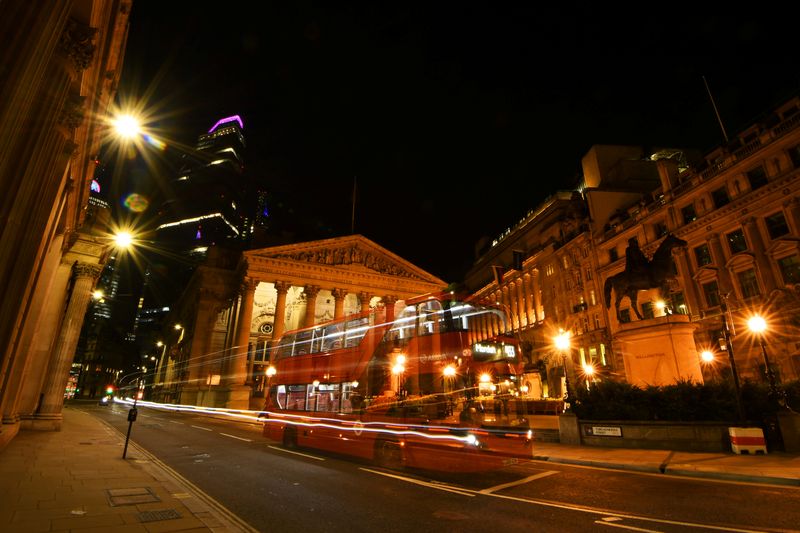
[[659, 351]]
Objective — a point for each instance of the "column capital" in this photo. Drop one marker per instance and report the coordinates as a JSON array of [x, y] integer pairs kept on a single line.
[[364, 296], [282, 286], [338, 293], [389, 299], [311, 291], [249, 284], [87, 270]]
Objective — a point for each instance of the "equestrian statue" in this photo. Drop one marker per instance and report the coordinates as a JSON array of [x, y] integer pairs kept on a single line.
[[641, 274]]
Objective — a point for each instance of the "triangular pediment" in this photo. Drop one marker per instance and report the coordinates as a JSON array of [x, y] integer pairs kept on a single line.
[[352, 251]]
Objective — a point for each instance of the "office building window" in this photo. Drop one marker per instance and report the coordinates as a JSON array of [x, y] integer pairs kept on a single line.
[[702, 255], [776, 225], [689, 213], [757, 177], [613, 255], [647, 310], [790, 269], [711, 293], [794, 154], [748, 283], [519, 257], [624, 316], [660, 229], [736, 241], [720, 197], [596, 321]]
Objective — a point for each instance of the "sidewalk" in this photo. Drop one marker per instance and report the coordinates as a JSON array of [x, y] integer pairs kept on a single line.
[[76, 480]]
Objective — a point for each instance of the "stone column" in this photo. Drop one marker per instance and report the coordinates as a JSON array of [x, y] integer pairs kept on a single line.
[[281, 287], [238, 374], [725, 283], [363, 299], [530, 319], [58, 372], [757, 246], [388, 302], [338, 303], [521, 305], [311, 292], [689, 285], [537, 296]]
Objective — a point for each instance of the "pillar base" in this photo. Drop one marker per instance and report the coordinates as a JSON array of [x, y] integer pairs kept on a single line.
[[43, 422], [238, 397]]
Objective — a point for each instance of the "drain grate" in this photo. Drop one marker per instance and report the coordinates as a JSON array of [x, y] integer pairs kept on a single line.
[[155, 516], [131, 496]]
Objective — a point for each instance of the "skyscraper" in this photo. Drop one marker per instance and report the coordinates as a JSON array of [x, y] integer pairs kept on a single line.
[[212, 201]]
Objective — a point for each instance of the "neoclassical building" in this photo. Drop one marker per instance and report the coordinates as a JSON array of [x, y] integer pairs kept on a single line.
[[738, 209], [238, 303], [61, 64]]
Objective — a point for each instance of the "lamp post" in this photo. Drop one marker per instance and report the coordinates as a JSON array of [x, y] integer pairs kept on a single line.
[[563, 344], [731, 361], [758, 326]]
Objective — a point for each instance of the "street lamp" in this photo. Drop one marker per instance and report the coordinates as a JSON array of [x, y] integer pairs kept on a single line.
[[563, 344], [726, 333], [270, 372], [398, 370], [588, 372], [758, 326]]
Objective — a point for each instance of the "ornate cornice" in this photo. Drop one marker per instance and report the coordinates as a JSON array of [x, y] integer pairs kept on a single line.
[[76, 43]]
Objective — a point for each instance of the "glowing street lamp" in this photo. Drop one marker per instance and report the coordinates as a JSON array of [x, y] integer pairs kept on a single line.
[[563, 344], [707, 357], [588, 372], [758, 326], [126, 126]]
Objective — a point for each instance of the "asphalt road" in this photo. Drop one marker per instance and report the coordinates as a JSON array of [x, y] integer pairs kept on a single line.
[[304, 490]]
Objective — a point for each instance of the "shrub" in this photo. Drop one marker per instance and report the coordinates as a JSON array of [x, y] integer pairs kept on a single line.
[[682, 401]]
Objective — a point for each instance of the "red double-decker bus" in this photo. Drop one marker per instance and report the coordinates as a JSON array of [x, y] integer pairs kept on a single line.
[[433, 388]]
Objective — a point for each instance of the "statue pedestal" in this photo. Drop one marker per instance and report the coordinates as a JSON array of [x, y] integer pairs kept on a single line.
[[659, 351]]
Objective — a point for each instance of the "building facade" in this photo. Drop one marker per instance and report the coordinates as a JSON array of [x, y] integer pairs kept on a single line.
[[61, 66], [219, 335], [738, 209]]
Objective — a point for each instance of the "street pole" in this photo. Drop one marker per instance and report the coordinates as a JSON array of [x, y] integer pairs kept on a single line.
[[773, 388], [732, 362], [132, 416]]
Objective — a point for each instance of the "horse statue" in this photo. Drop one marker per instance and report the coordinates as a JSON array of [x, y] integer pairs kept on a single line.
[[654, 275]]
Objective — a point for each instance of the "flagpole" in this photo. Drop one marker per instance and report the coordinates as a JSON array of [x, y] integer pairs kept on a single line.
[[714, 105]]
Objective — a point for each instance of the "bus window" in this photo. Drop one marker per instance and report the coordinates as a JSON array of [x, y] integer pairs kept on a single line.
[[286, 346], [302, 342], [430, 316], [332, 337], [325, 397], [316, 340], [354, 331], [291, 397]]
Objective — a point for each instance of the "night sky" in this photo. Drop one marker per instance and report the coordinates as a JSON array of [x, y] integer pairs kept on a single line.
[[453, 118]]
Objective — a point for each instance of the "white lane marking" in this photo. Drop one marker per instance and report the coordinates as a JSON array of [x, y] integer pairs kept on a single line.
[[174, 422], [463, 492], [296, 453], [204, 429], [471, 493], [623, 526], [235, 437], [622, 515], [519, 482]]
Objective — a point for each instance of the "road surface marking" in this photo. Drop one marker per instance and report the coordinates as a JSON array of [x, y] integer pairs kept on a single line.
[[204, 429], [174, 422], [602, 523], [519, 482], [296, 453], [235, 437], [463, 492]]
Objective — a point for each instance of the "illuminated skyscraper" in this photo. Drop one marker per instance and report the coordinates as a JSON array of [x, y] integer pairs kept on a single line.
[[212, 201]]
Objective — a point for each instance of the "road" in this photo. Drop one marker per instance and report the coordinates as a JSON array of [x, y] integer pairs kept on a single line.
[[272, 488]]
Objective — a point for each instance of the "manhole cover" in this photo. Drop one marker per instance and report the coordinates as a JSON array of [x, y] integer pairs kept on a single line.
[[131, 496], [154, 516]]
